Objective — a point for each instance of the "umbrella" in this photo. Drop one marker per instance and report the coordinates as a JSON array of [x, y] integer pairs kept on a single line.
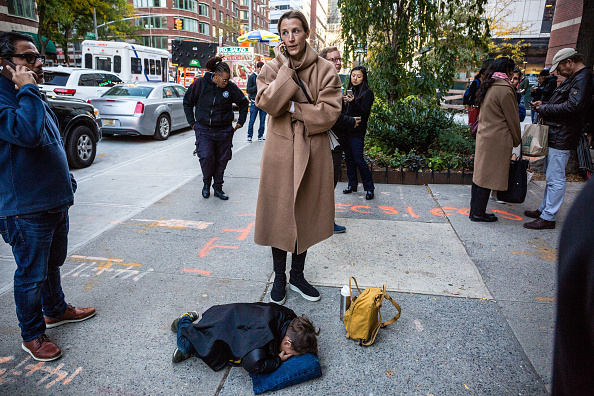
[[258, 36]]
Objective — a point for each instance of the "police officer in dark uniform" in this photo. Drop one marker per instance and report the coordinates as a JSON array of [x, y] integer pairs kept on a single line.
[[208, 105]]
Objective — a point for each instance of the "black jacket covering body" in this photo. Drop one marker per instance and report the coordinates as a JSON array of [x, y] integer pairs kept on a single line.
[[212, 106], [573, 361], [252, 88], [359, 107], [250, 332], [545, 91], [565, 113]]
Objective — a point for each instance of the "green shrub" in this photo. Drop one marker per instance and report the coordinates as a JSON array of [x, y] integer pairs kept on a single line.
[[454, 139]]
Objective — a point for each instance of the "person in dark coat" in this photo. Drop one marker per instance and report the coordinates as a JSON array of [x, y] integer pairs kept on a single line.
[[573, 357], [208, 105], [469, 97], [344, 124], [544, 91], [256, 336], [252, 91], [358, 104]]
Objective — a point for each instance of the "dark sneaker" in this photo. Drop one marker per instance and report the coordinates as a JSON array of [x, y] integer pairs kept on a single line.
[[193, 316], [178, 356], [71, 315], [535, 214], [42, 349], [540, 224], [278, 294], [306, 290], [249, 139], [339, 229], [261, 139]]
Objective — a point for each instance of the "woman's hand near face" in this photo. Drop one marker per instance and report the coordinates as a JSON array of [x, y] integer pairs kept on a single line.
[[283, 55]]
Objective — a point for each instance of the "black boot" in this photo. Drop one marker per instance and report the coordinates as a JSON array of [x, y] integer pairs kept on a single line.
[[206, 190], [298, 282], [278, 294], [218, 192]]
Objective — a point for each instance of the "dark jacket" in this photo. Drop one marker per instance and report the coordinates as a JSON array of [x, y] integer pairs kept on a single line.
[[359, 107], [545, 91], [469, 97], [210, 105], [573, 357], [566, 111], [343, 126], [251, 333], [34, 174], [252, 88]]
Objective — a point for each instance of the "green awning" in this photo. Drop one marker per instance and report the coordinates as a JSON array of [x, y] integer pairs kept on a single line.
[[50, 48]]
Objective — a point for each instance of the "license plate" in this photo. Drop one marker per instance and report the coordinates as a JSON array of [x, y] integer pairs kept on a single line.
[[108, 122]]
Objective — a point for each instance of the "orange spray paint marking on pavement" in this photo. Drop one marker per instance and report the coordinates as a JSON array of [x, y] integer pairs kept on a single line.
[[202, 272], [465, 211], [444, 211], [355, 208], [338, 207], [246, 214], [209, 246], [545, 299], [388, 210], [411, 213], [507, 215], [243, 233]]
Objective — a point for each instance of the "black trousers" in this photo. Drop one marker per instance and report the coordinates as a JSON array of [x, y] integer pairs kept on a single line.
[[213, 147], [337, 162], [479, 198], [279, 258]]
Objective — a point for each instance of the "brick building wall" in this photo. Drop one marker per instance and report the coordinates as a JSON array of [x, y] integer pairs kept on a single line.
[[8, 23], [566, 27]]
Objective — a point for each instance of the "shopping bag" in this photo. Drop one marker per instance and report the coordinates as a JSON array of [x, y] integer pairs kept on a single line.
[[517, 183], [535, 140]]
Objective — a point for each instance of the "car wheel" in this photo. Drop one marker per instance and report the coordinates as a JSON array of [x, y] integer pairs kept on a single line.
[[163, 128], [81, 147]]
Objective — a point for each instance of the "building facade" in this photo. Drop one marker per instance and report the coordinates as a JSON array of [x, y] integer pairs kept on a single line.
[[315, 12]]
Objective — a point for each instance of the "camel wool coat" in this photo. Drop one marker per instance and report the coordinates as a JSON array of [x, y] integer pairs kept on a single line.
[[295, 208], [498, 133]]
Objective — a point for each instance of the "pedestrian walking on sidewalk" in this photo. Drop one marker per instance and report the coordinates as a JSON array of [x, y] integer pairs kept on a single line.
[[498, 133], [565, 115], [36, 190], [341, 128], [357, 103], [208, 105], [301, 93], [252, 90]]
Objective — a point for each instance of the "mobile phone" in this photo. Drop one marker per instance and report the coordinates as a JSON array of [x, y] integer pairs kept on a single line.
[[4, 71], [349, 92], [283, 50]]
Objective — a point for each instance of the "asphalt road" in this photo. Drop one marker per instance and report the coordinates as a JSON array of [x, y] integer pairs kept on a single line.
[[477, 299]]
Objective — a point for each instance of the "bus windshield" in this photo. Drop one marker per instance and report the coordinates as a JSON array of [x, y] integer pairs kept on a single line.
[[130, 92]]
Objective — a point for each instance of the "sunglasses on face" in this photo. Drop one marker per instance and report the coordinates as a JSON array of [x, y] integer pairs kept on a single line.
[[30, 58]]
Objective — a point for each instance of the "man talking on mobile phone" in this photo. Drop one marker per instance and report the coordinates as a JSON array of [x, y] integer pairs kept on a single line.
[[36, 190]]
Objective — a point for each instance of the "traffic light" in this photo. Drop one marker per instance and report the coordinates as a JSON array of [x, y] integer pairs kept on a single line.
[[178, 23]]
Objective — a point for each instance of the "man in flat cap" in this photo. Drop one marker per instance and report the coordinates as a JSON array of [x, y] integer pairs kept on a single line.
[[565, 115]]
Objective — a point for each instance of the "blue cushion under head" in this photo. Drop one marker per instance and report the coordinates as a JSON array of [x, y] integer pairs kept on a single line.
[[295, 370]]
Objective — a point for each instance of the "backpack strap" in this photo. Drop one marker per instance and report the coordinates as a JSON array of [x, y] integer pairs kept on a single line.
[[379, 323], [351, 288], [397, 316]]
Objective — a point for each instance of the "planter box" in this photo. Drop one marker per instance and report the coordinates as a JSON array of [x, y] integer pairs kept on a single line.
[[395, 176]]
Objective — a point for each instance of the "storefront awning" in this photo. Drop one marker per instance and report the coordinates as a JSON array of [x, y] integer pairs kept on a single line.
[[50, 48]]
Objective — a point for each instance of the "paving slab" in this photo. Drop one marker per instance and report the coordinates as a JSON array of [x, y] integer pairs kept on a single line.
[[440, 346]]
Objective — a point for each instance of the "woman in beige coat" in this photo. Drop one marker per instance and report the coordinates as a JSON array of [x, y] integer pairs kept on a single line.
[[498, 133], [295, 207]]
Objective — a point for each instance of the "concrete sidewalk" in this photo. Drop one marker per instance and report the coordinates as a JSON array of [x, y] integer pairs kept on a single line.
[[477, 299]]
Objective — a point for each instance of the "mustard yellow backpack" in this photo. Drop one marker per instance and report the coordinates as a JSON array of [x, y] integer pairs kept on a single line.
[[363, 319]]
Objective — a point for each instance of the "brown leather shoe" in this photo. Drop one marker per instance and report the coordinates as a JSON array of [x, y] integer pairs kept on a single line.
[[71, 315], [535, 214], [540, 224], [42, 349]]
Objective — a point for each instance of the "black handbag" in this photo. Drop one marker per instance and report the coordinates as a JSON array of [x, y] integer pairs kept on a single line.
[[517, 183]]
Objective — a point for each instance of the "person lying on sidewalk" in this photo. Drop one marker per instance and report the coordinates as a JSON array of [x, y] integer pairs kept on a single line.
[[256, 336]]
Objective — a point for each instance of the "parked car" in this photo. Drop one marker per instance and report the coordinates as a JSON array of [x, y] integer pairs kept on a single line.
[[78, 83], [80, 128], [142, 109]]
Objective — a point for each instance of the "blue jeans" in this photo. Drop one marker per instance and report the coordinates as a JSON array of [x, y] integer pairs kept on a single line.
[[554, 166], [254, 111], [534, 116], [183, 344], [355, 160], [39, 245]]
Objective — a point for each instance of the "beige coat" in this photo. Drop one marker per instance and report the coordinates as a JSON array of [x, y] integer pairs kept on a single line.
[[296, 195], [498, 133]]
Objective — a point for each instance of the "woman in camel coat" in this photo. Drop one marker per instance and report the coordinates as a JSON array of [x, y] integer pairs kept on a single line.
[[498, 133], [295, 207]]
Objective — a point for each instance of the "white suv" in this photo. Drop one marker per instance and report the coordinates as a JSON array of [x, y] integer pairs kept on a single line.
[[78, 83]]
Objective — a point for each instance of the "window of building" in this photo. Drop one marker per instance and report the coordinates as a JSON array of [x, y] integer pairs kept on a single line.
[[214, 31], [204, 28], [274, 21], [22, 8], [136, 65], [158, 41], [227, 4], [190, 25], [221, 2], [149, 3], [547, 18], [202, 10], [244, 14], [117, 64], [221, 18], [152, 22], [244, 3], [189, 5]]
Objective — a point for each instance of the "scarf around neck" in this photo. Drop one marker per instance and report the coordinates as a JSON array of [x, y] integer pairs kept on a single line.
[[501, 76]]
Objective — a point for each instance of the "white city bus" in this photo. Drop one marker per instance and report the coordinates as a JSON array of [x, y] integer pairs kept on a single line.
[[131, 62]]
